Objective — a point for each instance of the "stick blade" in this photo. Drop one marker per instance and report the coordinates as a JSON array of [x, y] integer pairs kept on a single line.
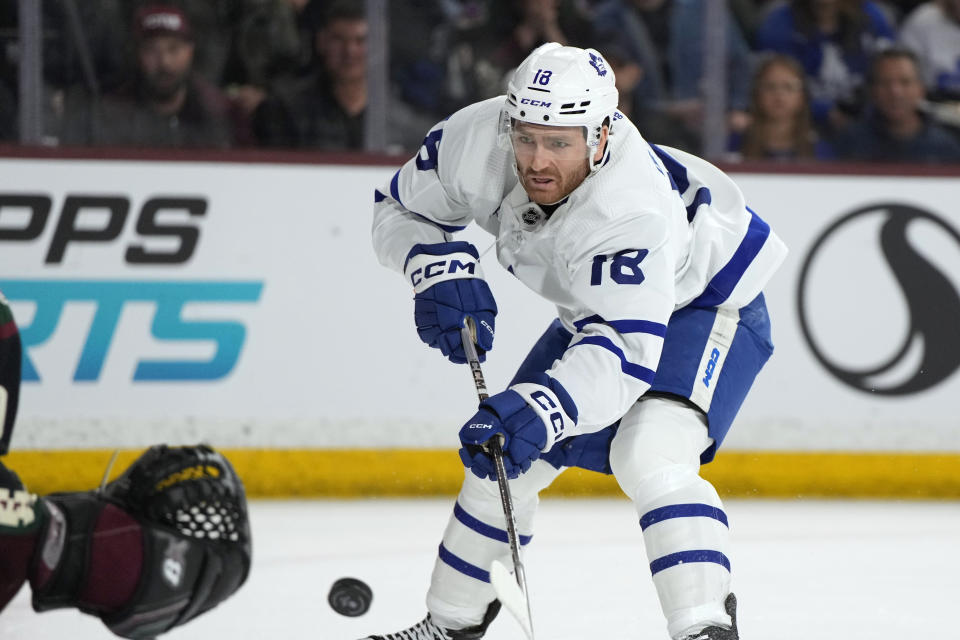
[[510, 596]]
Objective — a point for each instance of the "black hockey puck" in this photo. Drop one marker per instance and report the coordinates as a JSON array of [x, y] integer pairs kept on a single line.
[[350, 597]]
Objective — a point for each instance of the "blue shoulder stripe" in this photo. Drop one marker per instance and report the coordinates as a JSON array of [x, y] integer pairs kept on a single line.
[[703, 197], [723, 283], [676, 170], [395, 187], [634, 370], [378, 196]]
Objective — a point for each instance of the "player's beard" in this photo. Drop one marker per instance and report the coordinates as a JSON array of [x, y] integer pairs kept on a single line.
[[561, 187], [163, 86]]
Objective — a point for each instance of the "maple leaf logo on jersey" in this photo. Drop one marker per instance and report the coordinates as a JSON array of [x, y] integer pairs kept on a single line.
[[597, 63]]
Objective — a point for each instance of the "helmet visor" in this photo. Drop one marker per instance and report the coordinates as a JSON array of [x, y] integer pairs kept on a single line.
[[526, 139]]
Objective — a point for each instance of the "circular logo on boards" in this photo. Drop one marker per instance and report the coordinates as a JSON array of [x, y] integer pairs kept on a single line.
[[878, 299]]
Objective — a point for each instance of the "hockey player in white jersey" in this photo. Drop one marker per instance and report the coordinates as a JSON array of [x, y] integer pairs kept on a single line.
[[656, 267]]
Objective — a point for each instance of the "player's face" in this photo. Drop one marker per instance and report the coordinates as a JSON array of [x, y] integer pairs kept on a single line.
[[551, 161], [165, 62], [897, 89]]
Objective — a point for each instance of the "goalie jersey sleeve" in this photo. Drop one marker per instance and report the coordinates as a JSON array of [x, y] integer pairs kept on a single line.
[[459, 175]]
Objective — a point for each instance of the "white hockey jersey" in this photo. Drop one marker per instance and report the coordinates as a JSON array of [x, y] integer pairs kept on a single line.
[[653, 230]]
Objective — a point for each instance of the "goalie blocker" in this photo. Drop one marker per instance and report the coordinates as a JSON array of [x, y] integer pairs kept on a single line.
[[165, 542]]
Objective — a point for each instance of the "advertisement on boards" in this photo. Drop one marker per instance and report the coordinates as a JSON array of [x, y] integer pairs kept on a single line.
[[242, 303], [866, 313]]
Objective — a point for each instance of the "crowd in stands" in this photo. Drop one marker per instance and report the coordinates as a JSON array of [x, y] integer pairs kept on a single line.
[[807, 80]]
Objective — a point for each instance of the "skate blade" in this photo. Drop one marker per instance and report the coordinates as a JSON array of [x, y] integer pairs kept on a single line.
[[510, 596]]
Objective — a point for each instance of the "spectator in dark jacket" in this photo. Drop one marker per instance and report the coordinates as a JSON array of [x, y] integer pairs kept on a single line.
[[167, 105], [894, 129], [327, 109]]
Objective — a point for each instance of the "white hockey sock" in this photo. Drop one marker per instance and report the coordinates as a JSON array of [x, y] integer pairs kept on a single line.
[[656, 459], [475, 536], [686, 536]]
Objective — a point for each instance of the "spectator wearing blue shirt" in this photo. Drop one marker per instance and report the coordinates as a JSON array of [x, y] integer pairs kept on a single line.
[[833, 40], [894, 129]]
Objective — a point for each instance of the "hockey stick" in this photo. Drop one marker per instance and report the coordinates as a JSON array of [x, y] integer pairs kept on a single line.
[[513, 595]]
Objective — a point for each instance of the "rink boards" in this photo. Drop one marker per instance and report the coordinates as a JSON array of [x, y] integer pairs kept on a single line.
[[240, 303]]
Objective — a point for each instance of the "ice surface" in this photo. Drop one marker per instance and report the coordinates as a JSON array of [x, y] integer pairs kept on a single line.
[[802, 569]]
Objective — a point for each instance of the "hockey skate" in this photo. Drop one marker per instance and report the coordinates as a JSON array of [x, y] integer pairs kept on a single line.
[[426, 629], [719, 633]]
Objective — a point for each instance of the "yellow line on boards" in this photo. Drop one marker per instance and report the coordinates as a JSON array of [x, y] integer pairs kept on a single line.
[[351, 473]]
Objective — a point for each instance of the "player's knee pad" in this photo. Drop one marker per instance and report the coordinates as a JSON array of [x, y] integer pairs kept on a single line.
[[179, 514], [656, 434]]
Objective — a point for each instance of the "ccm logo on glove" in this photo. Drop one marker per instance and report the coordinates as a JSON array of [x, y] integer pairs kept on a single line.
[[555, 417], [448, 288], [425, 270], [483, 323], [549, 408], [479, 425]]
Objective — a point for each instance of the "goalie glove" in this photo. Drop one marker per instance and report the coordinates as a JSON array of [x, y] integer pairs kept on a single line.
[[448, 286], [194, 542]]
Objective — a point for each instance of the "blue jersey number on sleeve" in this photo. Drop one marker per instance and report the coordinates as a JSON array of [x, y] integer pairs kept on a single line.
[[427, 157], [624, 268]]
